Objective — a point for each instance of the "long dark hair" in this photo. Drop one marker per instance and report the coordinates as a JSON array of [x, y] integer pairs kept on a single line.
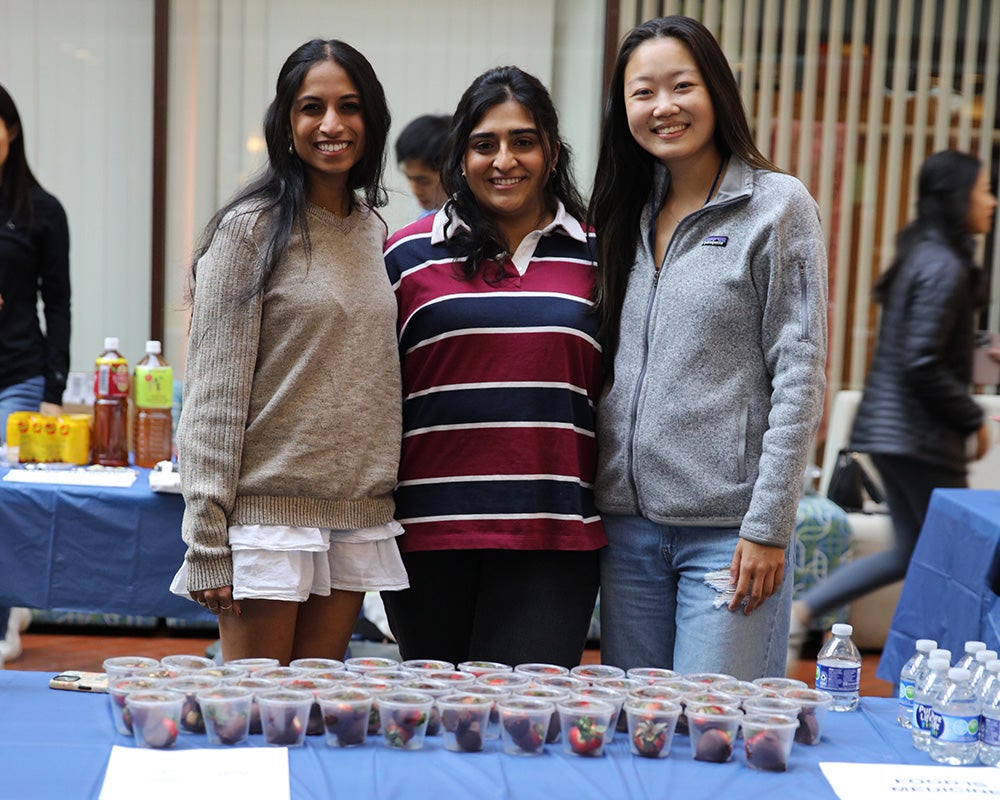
[[482, 241], [280, 187], [16, 177], [624, 177], [944, 193]]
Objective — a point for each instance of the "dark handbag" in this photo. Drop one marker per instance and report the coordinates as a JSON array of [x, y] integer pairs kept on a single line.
[[849, 483]]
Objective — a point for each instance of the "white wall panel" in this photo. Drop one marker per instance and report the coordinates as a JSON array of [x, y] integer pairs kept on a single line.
[[80, 72]]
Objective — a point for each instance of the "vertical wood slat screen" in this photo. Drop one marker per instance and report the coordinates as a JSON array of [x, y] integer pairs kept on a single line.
[[852, 98]]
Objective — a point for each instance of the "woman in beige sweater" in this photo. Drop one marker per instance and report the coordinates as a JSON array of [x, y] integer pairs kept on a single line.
[[289, 439]]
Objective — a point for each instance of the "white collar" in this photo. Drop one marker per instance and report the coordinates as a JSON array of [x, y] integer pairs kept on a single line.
[[569, 225]]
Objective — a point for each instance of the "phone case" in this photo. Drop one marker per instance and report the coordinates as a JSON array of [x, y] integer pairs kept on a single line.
[[78, 681]]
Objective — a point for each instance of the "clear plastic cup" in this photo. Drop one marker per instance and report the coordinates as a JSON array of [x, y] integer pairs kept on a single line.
[[404, 717], [768, 741], [346, 711], [555, 695], [524, 722], [651, 674], [124, 666], [478, 668], [593, 672], [453, 677], [427, 665], [253, 665], [613, 697], [586, 722], [395, 675], [625, 685], [766, 704], [118, 690], [657, 691], [540, 670], [513, 681], [496, 693], [188, 663], [651, 726], [255, 685], [226, 671], [709, 677], [156, 716], [713, 730], [779, 684], [189, 685], [310, 683], [464, 719], [284, 716], [436, 689], [318, 664], [375, 688], [562, 682], [705, 696], [368, 663], [740, 689], [279, 673], [813, 705], [226, 711]]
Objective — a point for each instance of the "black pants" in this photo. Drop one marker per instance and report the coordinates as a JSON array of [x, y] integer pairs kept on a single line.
[[908, 485], [512, 606]]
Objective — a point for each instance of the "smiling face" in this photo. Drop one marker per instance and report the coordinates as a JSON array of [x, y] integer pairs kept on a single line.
[[507, 165], [328, 131], [982, 205], [667, 103]]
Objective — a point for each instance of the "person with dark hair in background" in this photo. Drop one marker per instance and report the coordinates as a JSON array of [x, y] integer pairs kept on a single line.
[[917, 418], [34, 263], [420, 154], [712, 303], [501, 375], [289, 438]]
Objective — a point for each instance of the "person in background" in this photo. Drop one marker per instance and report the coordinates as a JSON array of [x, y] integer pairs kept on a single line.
[[289, 436], [501, 375], [419, 154], [34, 264], [917, 417], [712, 303]]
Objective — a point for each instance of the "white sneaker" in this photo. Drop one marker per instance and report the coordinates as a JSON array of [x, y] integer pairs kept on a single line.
[[21, 617], [10, 647]]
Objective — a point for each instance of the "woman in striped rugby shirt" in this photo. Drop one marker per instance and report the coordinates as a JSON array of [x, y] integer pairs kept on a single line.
[[501, 374]]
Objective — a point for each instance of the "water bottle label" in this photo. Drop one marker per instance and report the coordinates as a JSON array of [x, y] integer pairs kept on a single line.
[[923, 716], [957, 730], [838, 679], [154, 387], [989, 733], [111, 378], [906, 692]]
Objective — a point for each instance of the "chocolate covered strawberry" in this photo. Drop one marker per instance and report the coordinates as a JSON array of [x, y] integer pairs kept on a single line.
[[524, 733], [347, 724], [714, 745], [765, 751]]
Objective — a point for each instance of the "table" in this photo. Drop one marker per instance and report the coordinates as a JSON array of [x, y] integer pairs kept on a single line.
[[950, 589], [94, 550], [56, 744]]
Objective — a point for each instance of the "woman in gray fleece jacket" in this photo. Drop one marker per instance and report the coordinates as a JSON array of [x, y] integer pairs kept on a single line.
[[712, 298]]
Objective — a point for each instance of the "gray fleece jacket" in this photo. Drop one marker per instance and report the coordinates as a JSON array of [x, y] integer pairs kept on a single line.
[[720, 370]]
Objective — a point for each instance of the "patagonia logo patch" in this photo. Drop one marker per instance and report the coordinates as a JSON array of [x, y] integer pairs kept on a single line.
[[715, 241]]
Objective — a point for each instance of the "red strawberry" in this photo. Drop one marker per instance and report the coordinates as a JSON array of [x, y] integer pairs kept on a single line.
[[649, 737], [397, 735], [586, 738]]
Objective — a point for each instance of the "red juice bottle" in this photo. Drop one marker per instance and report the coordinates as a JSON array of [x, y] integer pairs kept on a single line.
[[111, 390]]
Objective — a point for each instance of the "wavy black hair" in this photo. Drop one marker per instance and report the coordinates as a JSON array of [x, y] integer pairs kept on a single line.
[[624, 176], [480, 244], [944, 194], [16, 177], [280, 187]]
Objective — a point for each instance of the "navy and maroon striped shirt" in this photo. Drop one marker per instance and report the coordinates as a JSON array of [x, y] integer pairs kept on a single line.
[[500, 386]]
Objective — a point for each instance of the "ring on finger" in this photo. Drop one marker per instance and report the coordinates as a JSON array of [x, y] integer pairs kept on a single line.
[[226, 608]]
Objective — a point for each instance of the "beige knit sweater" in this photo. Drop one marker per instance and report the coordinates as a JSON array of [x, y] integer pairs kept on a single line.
[[292, 400]]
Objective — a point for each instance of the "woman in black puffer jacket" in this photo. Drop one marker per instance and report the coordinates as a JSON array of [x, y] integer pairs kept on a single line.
[[917, 418]]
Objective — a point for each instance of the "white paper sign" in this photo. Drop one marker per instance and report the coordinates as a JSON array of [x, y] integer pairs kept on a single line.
[[249, 773], [881, 781], [115, 479]]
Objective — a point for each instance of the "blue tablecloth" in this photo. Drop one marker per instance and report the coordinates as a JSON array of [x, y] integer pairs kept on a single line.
[[56, 744], [96, 550], [949, 591]]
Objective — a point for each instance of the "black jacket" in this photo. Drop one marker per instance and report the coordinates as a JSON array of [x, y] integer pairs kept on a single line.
[[917, 401]]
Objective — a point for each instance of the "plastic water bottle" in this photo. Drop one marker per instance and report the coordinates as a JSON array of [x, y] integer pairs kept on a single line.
[[989, 718], [969, 657], [907, 680], [977, 672], [991, 677], [955, 735], [929, 683], [838, 668]]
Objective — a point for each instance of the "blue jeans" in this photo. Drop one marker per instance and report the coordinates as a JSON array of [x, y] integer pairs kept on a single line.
[[24, 396], [658, 611]]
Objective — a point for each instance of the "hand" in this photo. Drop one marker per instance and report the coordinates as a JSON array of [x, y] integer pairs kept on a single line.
[[50, 409], [218, 601], [756, 571], [982, 441]]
